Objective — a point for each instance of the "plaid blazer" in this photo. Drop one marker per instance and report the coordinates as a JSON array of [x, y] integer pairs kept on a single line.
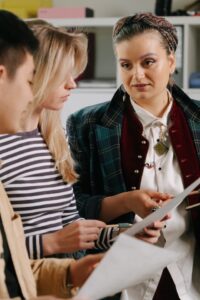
[[94, 135]]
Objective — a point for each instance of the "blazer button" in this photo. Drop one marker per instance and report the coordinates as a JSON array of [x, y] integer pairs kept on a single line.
[[140, 156], [143, 142], [136, 171], [133, 188]]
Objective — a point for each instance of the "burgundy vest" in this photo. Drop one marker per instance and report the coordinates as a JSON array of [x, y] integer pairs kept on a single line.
[[134, 149]]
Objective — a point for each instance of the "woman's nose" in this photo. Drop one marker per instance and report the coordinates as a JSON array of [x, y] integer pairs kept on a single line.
[[71, 84], [138, 73]]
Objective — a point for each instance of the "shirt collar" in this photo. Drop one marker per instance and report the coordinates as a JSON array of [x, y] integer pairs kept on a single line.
[[147, 118]]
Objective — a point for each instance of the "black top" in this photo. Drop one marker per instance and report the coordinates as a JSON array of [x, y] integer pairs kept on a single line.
[[12, 283]]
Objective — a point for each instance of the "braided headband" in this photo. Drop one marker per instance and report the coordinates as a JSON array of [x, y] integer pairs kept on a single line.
[[166, 29]]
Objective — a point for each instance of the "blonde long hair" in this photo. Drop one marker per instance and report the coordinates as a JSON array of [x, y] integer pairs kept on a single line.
[[57, 46]]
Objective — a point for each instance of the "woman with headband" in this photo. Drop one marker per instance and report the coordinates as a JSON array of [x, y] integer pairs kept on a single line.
[[147, 138]]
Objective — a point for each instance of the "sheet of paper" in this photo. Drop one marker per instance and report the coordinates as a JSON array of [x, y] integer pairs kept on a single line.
[[161, 212], [131, 261], [128, 262]]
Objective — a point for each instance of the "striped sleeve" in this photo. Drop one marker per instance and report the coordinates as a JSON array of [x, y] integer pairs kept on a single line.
[[34, 246]]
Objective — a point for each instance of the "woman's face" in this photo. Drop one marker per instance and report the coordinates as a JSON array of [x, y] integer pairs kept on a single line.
[[60, 91], [144, 67]]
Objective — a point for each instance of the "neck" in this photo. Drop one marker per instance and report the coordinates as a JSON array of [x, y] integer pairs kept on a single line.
[[156, 106], [10, 126], [31, 120]]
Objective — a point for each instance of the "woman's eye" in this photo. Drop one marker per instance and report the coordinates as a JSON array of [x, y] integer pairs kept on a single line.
[[149, 62], [125, 66]]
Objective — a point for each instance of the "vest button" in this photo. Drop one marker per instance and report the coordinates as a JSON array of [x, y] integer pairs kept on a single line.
[[140, 156], [136, 171], [143, 142]]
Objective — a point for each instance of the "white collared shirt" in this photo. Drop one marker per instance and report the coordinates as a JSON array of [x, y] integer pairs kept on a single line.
[[164, 175]]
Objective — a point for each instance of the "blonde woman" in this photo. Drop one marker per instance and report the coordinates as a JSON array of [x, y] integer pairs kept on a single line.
[[37, 169]]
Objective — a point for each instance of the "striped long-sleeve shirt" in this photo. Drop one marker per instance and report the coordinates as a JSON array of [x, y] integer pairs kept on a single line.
[[35, 188]]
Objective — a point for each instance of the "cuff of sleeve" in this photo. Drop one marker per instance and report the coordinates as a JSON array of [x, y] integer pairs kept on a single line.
[[34, 246]]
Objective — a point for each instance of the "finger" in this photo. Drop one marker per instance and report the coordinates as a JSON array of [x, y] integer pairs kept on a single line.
[[151, 232], [159, 196], [167, 217], [158, 225], [94, 258], [93, 223], [89, 230], [87, 245], [151, 240], [89, 237]]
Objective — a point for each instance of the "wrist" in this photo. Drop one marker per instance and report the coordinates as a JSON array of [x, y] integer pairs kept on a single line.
[[70, 287], [49, 244], [127, 202]]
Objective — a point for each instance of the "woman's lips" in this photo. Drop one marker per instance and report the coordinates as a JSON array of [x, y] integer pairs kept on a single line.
[[140, 86]]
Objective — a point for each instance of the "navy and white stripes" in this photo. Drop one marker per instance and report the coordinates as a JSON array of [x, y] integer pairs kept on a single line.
[[34, 187]]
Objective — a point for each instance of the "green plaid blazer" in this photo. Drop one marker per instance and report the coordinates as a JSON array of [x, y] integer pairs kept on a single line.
[[94, 137]]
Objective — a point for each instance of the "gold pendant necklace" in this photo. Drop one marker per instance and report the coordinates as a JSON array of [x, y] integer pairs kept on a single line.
[[161, 147]]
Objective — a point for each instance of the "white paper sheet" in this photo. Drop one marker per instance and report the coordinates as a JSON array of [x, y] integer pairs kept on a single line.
[[161, 212], [131, 261], [128, 262]]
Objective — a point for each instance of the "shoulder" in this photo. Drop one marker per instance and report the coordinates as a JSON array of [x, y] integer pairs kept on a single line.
[[183, 99], [89, 114]]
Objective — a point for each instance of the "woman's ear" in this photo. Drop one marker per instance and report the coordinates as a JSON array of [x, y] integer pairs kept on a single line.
[[3, 72], [172, 63]]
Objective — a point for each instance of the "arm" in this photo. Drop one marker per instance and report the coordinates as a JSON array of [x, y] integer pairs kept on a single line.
[[51, 274], [79, 235], [88, 205]]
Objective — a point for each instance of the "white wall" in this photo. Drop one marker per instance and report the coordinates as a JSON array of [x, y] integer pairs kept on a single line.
[[117, 8]]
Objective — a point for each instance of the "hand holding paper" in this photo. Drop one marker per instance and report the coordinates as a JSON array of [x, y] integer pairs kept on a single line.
[[122, 265]]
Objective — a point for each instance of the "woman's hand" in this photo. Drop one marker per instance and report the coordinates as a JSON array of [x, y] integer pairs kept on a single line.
[[82, 268], [79, 235], [141, 202], [152, 233]]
